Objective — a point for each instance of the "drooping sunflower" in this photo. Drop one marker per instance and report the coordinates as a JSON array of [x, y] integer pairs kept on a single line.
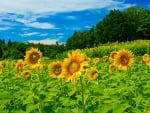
[[124, 59], [145, 57], [96, 60], [33, 57], [56, 69], [93, 74], [19, 67], [112, 56], [74, 65], [112, 68]]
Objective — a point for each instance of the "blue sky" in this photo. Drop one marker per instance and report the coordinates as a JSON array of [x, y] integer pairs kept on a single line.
[[48, 21]]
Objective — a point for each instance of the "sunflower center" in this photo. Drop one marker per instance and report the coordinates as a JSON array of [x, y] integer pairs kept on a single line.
[[20, 67], [113, 68], [94, 73], [73, 67], [57, 70], [34, 58], [124, 60]]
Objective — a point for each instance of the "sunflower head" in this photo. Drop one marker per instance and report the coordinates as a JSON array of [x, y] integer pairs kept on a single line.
[[26, 74], [74, 65], [112, 56], [33, 57], [112, 68], [93, 74], [19, 67], [86, 59], [148, 61], [56, 69], [105, 58], [124, 59], [145, 57], [96, 60]]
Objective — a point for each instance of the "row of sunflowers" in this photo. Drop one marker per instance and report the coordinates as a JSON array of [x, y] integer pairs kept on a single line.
[[76, 63]]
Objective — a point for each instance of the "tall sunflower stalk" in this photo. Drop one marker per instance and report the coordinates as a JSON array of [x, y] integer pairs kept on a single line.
[[82, 94], [73, 68]]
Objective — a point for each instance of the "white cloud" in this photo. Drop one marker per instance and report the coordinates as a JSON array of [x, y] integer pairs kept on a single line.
[[41, 25], [43, 34], [30, 34], [47, 41], [34, 33], [35, 24], [71, 17], [44, 6], [4, 28], [60, 34], [87, 26], [119, 5]]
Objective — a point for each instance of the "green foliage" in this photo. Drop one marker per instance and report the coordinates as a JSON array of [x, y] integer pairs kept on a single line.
[[138, 47], [120, 92], [16, 50], [128, 25]]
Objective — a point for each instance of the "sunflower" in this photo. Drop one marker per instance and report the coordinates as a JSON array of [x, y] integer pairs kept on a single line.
[[112, 68], [148, 61], [112, 56], [124, 59], [33, 57], [96, 60], [86, 59], [93, 74], [105, 58], [19, 66], [145, 57], [74, 65], [26, 74], [56, 69]]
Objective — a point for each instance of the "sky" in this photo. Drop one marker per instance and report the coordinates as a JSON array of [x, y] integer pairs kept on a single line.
[[48, 21]]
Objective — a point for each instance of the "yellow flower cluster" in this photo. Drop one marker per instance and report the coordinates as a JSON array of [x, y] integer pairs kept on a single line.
[[146, 59]]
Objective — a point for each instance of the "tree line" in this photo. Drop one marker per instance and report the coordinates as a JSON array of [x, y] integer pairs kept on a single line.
[[128, 25], [16, 50]]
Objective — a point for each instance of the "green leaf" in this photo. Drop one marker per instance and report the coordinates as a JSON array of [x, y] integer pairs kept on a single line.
[[120, 108], [31, 107], [5, 95]]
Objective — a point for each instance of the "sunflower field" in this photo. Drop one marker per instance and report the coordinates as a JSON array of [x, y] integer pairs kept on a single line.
[[106, 79]]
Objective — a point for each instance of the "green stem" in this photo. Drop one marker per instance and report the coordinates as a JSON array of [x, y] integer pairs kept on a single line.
[[82, 95]]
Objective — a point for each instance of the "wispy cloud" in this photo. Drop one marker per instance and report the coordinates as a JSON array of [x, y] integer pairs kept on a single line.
[[30, 34], [43, 6], [33, 34], [120, 5], [60, 34], [41, 25], [36, 24], [47, 41], [4, 28], [43, 34], [71, 17]]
